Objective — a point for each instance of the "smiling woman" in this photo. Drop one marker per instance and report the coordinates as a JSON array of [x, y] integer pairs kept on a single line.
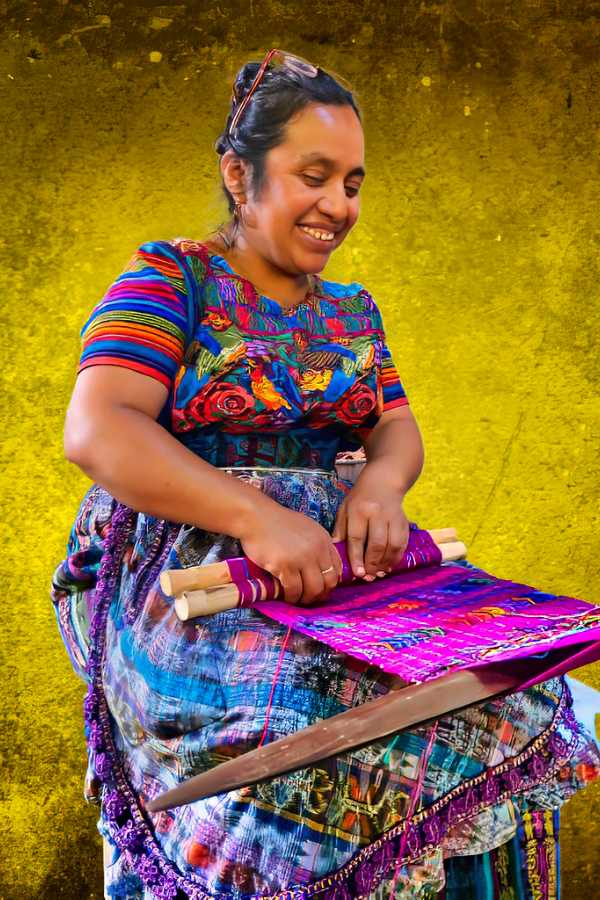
[[219, 381], [297, 200]]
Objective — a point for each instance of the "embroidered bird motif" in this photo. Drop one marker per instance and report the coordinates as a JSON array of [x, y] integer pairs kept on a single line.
[[264, 389]]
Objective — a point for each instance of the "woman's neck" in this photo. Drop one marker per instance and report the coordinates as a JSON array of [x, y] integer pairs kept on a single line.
[[278, 285]]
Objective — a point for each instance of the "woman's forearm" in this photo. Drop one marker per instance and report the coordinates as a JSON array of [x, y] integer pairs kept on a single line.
[[139, 463], [396, 447]]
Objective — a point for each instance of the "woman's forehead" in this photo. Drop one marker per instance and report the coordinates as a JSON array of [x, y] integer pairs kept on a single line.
[[326, 135]]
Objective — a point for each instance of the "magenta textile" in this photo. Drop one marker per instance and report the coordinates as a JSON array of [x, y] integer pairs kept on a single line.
[[426, 622]]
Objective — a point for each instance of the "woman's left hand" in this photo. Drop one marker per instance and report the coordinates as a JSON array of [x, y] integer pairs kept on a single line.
[[372, 522]]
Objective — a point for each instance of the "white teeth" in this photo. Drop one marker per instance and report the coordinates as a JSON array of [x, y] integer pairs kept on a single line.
[[320, 235]]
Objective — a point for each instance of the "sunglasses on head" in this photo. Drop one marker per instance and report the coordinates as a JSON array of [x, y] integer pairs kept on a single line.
[[276, 59]]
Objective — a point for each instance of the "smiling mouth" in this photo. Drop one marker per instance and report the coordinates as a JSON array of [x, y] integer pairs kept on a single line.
[[318, 236]]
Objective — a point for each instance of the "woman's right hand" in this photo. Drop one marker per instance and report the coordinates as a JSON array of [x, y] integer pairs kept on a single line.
[[296, 550]]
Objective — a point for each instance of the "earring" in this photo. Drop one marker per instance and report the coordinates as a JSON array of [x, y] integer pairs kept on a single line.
[[237, 213]]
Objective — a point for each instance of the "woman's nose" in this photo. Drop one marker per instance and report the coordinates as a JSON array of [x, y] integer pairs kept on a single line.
[[334, 203]]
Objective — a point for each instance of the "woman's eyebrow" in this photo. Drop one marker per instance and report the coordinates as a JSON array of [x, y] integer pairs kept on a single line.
[[319, 158]]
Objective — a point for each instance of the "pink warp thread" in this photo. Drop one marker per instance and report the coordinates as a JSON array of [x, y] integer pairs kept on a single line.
[[275, 677], [416, 793]]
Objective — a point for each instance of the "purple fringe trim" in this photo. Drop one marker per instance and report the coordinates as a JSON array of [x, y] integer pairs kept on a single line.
[[130, 826]]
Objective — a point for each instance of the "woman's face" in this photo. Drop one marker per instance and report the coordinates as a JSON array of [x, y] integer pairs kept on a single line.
[[312, 181]]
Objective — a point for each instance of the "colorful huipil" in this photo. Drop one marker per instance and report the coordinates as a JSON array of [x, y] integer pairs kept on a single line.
[[273, 395]]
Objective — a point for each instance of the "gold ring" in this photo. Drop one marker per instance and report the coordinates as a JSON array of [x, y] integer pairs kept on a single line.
[[325, 571]]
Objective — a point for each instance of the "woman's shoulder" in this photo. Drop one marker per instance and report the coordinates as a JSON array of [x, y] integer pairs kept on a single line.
[[178, 259], [177, 247]]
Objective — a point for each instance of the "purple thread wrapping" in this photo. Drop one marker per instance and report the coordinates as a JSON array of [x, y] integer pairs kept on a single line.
[[240, 568]]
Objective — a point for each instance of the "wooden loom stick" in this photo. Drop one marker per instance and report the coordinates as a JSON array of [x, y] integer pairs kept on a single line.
[[218, 599], [357, 727], [175, 581]]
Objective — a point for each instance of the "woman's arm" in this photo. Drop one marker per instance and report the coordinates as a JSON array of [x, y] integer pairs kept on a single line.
[[111, 433], [395, 444], [371, 518]]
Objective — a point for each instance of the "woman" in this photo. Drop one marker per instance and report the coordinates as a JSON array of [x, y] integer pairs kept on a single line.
[[218, 382]]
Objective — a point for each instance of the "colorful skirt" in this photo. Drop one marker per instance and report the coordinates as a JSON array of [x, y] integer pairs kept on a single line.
[[169, 699]]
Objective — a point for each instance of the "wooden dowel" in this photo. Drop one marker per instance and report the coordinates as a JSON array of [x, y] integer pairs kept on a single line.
[[443, 535], [193, 578], [206, 603], [175, 581], [455, 550], [214, 600]]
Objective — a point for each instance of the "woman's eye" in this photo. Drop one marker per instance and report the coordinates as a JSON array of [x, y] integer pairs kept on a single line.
[[351, 190]]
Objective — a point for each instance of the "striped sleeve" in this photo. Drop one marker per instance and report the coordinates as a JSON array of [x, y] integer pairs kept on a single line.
[[141, 321], [393, 392]]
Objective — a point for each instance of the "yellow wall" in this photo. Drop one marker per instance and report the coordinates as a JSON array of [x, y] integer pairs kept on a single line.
[[478, 237]]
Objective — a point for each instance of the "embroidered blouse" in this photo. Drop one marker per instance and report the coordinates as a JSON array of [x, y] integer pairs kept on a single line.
[[250, 382]]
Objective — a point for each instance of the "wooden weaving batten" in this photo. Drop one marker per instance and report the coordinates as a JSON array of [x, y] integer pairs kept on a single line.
[[399, 709], [406, 707]]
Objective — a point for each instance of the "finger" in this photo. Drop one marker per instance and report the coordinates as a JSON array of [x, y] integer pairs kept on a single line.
[[341, 524], [355, 543], [313, 584], [292, 586], [331, 571], [336, 562], [385, 563], [376, 545], [397, 543]]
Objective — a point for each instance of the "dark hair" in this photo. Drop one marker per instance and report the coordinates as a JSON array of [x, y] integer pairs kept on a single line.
[[280, 94]]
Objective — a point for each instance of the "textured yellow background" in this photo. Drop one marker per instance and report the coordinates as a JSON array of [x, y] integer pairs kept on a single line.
[[478, 237]]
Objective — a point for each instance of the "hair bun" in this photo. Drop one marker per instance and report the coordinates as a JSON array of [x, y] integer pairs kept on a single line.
[[243, 80]]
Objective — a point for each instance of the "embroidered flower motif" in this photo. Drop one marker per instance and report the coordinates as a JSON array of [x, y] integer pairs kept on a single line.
[[167, 888], [513, 779], [130, 836], [357, 404], [413, 840], [94, 735], [221, 400], [90, 704], [558, 746], [148, 870], [431, 828], [491, 790]]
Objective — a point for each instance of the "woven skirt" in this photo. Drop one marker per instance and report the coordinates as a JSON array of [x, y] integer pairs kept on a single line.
[[169, 699]]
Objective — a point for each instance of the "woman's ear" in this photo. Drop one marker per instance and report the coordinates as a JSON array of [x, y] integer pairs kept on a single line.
[[236, 175]]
